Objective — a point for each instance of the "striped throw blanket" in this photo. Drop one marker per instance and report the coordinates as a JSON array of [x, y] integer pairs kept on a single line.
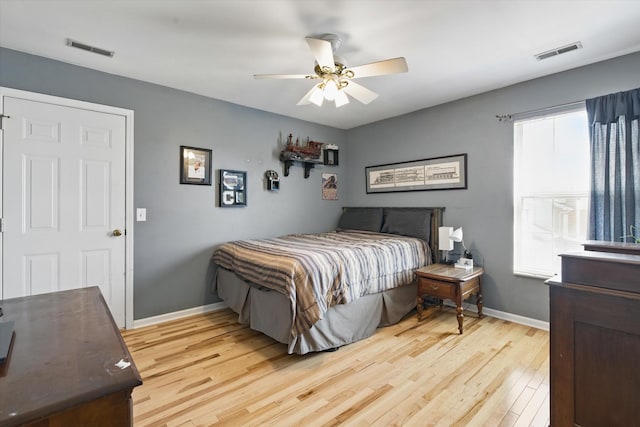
[[317, 271]]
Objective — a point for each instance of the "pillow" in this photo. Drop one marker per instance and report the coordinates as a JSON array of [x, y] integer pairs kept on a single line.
[[408, 222], [368, 219]]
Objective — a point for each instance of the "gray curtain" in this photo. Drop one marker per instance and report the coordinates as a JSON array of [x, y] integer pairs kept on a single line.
[[615, 165]]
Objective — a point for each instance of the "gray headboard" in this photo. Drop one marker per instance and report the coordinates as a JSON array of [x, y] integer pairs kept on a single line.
[[421, 222]]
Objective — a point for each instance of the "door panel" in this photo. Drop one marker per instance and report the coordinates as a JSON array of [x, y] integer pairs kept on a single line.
[[96, 137], [96, 189], [40, 194], [96, 269], [40, 273], [63, 195], [35, 129]]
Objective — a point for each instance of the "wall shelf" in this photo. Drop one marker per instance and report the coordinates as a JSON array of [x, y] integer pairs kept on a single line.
[[310, 154], [307, 163]]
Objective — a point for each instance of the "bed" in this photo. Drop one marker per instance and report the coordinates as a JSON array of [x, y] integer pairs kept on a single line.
[[316, 292]]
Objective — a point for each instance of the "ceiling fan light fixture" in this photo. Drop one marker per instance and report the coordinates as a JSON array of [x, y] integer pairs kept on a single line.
[[330, 90], [317, 97], [341, 99]]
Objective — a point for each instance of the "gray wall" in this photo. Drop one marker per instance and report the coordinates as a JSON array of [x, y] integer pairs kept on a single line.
[[172, 249], [485, 210]]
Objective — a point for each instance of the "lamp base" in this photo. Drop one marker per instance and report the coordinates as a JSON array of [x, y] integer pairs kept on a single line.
[[466, 263]]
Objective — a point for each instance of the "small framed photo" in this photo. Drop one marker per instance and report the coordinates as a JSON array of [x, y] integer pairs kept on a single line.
[[195, 165], [233, 188], [329, 186]]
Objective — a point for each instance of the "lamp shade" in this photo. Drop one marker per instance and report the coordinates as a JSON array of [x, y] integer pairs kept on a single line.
[[444, 241], [456, 236]]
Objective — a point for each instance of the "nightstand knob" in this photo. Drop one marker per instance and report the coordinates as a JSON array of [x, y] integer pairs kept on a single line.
[[434, 288]]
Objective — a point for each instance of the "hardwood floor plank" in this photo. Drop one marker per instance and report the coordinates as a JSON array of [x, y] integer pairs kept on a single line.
[[520, 375], [523, 400], [210, 370], [541, 419], [532, 407], [509, 420]]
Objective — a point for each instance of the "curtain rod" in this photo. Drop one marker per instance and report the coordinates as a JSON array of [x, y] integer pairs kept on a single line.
[[516, 116]]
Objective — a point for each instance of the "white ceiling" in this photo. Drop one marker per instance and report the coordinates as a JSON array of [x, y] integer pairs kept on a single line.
[[454, 49]]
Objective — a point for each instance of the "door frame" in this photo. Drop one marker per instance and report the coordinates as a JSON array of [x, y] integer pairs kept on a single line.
[[129, 209]]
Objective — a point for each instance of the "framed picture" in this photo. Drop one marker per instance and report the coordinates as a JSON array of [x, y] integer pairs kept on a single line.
[[195, 165], [233, 188], [438, 173], [329, 186]]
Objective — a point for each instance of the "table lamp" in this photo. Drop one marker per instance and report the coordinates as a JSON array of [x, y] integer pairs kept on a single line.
[[445, 244], [446, 237]]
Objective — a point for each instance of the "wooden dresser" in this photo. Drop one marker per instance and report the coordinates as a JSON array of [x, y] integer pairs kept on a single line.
[[613, 247], [595, 339], [62, 368]]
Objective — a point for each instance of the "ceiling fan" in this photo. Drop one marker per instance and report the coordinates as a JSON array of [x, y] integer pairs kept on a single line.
[[336, 79]]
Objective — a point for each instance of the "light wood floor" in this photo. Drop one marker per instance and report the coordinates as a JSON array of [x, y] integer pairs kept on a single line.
[[208, 369]]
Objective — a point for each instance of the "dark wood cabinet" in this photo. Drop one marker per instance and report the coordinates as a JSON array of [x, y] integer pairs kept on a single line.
[[63, 369], [595, 340]]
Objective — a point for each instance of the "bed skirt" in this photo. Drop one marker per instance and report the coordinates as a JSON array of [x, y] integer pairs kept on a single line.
[[269, 312]]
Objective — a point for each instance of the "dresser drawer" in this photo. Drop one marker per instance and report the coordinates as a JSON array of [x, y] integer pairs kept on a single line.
[[435, 288]]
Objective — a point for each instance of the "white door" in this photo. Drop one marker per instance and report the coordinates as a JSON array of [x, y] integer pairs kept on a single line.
[[63, 201]]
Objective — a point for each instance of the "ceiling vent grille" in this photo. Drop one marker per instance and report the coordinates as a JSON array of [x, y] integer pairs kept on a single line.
[[88, 48], [558, 51]]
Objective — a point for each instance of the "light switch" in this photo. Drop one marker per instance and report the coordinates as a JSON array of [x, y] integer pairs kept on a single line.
[[141, 214]]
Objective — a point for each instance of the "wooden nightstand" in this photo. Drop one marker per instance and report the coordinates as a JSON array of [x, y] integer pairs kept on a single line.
[[447, 282]]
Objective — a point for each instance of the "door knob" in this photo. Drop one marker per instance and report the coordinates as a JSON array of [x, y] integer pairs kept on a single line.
[[117, 232]]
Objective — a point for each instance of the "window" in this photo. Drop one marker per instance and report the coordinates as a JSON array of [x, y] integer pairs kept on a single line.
[[551, 189]]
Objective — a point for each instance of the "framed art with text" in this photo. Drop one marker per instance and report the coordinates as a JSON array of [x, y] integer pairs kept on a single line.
[[195, 165], [329, 186], [437, 173], [233, 188]]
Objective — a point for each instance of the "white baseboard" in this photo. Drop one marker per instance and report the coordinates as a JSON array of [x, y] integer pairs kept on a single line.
[[178, 314], [515, 318]]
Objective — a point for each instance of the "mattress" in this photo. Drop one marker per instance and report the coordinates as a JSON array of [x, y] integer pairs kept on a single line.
[[315, 272]]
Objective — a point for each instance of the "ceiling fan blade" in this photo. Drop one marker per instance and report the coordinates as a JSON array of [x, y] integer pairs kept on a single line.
[[360, 93], [388, 66], [322, 51], [284, 76]]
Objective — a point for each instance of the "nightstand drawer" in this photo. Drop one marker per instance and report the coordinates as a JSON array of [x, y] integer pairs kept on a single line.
[[437, 289]]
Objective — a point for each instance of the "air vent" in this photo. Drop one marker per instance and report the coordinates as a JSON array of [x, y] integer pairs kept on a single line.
[[88, 48], [558, 51]]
